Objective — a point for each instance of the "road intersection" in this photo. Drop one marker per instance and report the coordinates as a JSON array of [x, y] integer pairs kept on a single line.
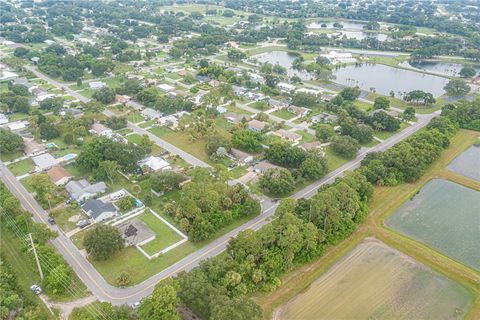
[[117, 296]]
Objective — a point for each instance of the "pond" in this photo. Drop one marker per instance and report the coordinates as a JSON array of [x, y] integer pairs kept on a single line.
[[358, 35], [468, 163], [385, 79], [284, 59], [438, 67], [445, 216], [349, 25]]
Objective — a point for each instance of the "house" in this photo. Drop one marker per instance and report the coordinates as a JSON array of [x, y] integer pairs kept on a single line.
[[327, 97], [234, 118], [324, 118], [44, 161], [59, 175], [166, 87], [176, 93], [391, 113], [74, 112], [121, 98], [256, 125], [99, 211], [336, 57], [95, 85], [299, 111], [3, 119], [309, 91], [288, 135], [221, 110], [82, 189], [154, 163], [285, 87], [242, 157], [32, 148], [100, 130], [315, 145], [263, 166], [256, 78], [7, 75], [214, 83], [151, 114], [17, 125], [42, 96]]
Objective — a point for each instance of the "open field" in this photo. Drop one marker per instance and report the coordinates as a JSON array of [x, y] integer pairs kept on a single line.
[[468, 163], [385, 201], [165, 236], [22, 167], [376, 282], [445, 216]]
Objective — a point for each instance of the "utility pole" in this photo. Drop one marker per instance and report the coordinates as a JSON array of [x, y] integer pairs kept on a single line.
[[36, 256]]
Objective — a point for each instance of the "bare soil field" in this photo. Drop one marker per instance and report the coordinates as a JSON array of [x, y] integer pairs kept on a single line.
[[374, 281]]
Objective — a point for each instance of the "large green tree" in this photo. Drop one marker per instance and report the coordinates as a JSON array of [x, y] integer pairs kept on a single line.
[[102, 241]]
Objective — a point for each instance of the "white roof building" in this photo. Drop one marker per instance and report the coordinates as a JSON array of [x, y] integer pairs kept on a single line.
[[166, 87], [95, 85], [44, 161], [286, 87], [336, 57], [3, 118], [17, 125], [101, 130], [151, 113], [155, 163]]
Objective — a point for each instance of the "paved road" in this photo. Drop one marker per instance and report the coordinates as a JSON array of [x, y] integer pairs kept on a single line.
[[160, 142], [105, 292]]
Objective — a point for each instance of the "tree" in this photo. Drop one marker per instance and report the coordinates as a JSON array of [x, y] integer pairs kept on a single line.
[[278, 181], [126, 203], [247, 140], [43, 187], [48, 130], [20, 90], [457, 87], [350, 94], [384, 121], [52, 103], [324, 132], [381, 103], [162, 304], [235, 54], [99, 67], [102, 241], [468, 72], [107, 169], [9, 141], [314, 168], [306, 100], [58, 279], [116, 123], [419, 96], [166, 180], [21, 104], [345, 146], [104, 95], [409, 114]]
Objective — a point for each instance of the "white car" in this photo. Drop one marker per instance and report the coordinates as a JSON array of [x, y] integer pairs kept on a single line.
[[136, 305], [36, 289]]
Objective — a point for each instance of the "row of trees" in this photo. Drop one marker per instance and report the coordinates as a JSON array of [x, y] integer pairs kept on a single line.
[[465, 114], [206, 204]]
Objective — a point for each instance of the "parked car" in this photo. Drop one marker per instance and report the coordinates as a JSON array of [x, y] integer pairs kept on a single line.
[[51, 221], [136, 305], [83, 223], [36, 289]]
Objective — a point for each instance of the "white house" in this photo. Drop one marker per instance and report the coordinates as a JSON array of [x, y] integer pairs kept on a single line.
[[3, 119], [17, 125], [150, 113], [44, 161], [95, 85], [99, 129], [166, 87], [286, 87], [155, 163]]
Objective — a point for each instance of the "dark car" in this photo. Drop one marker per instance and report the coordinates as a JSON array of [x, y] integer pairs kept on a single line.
[[51, 221]]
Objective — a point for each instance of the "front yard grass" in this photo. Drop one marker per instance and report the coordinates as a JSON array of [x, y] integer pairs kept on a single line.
[[284, 114], [383, 135], [22, 167], [334, 161], [135, 117], [165, 236]]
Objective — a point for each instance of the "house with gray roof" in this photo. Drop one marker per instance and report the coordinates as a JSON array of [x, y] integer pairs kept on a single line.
[[81, 190], [98, 210], [44, 161]]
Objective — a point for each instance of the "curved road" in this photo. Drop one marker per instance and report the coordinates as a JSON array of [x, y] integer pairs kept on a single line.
[[106, 292]]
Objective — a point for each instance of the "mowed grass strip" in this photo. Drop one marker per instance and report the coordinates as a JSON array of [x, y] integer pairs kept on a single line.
[[165, 236]]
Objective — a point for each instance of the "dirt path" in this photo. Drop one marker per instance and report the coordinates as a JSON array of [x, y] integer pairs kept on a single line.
[[67, 307]]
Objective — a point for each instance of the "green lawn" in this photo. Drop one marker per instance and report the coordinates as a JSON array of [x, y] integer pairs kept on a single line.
[[363, 105], [284, 114], [173, 76], [135, 117], [17, 116], [10, 156], [165, 237], [160, 131], [238, 172], [22, 167], [61, 217], [147, 123], [75, 170], [334, 161], [307, 137], [383, 135]]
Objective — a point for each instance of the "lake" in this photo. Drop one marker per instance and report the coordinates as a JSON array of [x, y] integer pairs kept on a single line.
[[445, 216], [284, 59], [442, 68], [468, 163], [350, 25], [359, 35], [385, 78]]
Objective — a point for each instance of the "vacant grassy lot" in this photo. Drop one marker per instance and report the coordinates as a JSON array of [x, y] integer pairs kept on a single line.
[[376, 282], [443, 215], [284, 114], [135, 117], [21, 167], [165, 237]]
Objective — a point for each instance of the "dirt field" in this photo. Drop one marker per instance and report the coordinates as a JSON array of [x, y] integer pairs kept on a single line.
[[374, 281]]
